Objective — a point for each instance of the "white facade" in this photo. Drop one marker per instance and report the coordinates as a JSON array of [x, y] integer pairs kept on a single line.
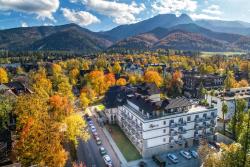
[[152, 136], [217, 101]]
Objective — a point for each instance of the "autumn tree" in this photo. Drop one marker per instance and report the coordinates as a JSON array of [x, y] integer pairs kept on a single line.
[[40, 138], [109, 80], [153, 77], [73, 76], [56, 69], [229, 156], [89, 92], [60, 107], [97, 81], [242, 83], [3, 76], [64, 88], [176, 83], [75, 125], [230, 81], [40, 83], [85, 101], [117, 68], [121, 82], [133, 79]]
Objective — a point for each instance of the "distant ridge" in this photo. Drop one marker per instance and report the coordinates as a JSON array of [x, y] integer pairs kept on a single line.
[[165, 31]]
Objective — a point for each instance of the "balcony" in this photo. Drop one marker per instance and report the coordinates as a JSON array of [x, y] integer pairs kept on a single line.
[[182, 130], [173, 132], [198, 127], [182, 123], [206, 124], [197, 120], [180, 141], [173, 125], [212, 122]]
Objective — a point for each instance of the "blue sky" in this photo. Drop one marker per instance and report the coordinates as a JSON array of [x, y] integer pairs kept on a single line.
[[100, 15]]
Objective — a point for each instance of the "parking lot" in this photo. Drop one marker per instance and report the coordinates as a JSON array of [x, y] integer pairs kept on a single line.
[[182, 162]]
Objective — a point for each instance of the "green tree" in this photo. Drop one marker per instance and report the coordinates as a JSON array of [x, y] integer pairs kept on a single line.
[[6, 107]]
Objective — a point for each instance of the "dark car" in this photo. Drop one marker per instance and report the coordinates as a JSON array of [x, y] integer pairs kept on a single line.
[[142, 164], [159, 161]]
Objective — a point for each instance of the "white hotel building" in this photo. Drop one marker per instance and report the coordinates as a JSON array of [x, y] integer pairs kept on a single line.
[[156, 126]]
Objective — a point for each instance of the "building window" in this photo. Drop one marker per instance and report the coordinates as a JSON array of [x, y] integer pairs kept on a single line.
[[164, 139], [189, 118], [212, 114], [164, 122], [164, 130]]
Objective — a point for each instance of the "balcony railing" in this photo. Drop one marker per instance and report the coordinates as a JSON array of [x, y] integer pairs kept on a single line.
[[182, 131], [183, 123], [173, 132], [173, 125]]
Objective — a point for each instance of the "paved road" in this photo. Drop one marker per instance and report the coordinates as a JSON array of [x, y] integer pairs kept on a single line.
[[88, 152]]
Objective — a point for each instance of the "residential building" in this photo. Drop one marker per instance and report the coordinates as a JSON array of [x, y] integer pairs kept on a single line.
[[156, 125], [229, 97], [194, 83]]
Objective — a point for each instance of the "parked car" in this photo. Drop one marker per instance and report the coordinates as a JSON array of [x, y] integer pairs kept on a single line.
[[93, 129], [194, 153], [142, 164], [211, 146], [95, 134], [185, 154], [173, 158], [107, 160], [90, 123], [159, 161], [102, 151], [98, 141]]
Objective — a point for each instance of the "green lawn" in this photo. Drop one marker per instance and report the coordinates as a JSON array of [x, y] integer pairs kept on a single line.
[[209, 54], [100, 107], [123, 143]]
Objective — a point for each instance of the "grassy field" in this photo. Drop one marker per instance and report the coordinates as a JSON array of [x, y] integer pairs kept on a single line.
[[100, 107], [123, 143], [204, 54]]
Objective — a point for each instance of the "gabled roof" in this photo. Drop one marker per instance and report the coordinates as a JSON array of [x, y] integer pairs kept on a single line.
[[3, 87]]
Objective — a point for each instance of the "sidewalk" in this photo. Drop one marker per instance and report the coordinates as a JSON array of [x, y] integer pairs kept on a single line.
[[124, 163]]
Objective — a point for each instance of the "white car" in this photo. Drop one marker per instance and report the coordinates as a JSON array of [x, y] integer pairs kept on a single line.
[[194, 153], [93, 129], [173, 158], [185, 154], [107, 160]]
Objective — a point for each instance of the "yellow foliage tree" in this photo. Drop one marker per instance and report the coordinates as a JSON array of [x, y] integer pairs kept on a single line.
[[153, 77], [75, 128], [3, 76], [117, 68]]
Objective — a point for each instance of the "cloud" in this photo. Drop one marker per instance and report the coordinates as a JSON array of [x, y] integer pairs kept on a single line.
[[42, 8], [174, 6], [121, 13], [202, 16], [213, 9], [81, 18], [24, 24]]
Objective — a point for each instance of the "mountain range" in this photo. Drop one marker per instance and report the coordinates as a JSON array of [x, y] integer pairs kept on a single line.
[[165, 31]]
